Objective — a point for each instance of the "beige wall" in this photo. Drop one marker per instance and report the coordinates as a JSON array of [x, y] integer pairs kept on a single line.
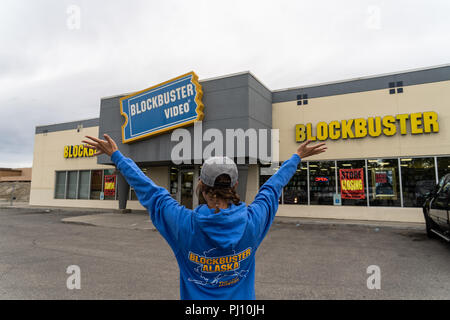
[[252, 183], [417, 98], [394, 214], [48, 157]]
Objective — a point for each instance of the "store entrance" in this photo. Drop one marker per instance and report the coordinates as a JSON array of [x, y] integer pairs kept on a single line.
[[183, 185], [185, 188]]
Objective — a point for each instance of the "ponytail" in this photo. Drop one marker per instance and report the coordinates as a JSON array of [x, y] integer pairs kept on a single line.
[[220, 191]]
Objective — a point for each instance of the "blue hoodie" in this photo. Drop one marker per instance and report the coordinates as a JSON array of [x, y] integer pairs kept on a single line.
[[215, 251]]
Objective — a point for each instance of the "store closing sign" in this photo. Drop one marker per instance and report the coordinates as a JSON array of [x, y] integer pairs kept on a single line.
[[413, 123], [352, 183], [110, 185]]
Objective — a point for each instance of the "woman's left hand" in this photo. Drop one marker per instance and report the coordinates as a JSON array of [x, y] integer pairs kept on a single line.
[[304, 150]]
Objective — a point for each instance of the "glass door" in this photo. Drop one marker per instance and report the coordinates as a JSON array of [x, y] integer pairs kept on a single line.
[[186, 188]]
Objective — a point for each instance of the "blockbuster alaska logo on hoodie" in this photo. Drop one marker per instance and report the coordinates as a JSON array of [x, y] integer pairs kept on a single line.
[[226, 267]]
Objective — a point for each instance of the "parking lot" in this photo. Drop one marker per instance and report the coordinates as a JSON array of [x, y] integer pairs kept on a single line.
[[295, 261]]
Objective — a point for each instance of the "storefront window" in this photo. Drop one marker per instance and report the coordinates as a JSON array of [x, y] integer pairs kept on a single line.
[[265, 172], [83, 185], [443, 164], [322, 182], [60, 186], [384, 185], [72, 177], [352, 182], [418, 179], [296, 191], [96, 184], [109, 184]]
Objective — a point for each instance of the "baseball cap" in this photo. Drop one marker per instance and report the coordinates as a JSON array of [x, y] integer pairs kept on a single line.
[[215, 166]]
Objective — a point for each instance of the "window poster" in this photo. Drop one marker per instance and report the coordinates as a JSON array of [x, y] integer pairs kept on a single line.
[[384, 183], [110, 185], [352, 183]]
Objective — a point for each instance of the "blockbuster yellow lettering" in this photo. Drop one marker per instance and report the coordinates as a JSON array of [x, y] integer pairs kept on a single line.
[[416, 122], [374, 126], [360, 128], [300, 134], [389, 126], [402, 119], [322, 131], [78, 151], [347, 129], [419, 123], [309, 135], [430, 123], [333, 132]]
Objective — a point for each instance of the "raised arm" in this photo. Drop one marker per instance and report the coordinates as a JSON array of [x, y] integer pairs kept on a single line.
[[265, 204], [167, 214]]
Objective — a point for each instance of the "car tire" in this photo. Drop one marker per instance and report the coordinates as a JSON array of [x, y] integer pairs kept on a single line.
[[429, 224]]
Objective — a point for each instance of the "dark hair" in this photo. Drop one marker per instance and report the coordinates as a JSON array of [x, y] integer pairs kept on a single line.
[[221, 190]]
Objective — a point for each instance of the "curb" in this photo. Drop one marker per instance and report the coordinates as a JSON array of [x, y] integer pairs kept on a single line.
[[38, 209], [351, 223], [115, 226], [297, 221]]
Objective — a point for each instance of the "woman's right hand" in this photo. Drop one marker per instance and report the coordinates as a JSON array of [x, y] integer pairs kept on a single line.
[[101, 146]]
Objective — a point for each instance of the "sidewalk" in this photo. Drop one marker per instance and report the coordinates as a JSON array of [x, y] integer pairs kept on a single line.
[[141, 221], [25, 206], [136, 221]]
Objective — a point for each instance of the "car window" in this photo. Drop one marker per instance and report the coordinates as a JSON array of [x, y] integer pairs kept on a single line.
[[446, 188], [442, 181]]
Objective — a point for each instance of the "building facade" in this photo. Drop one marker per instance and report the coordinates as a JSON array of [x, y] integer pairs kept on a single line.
[[387, 135]]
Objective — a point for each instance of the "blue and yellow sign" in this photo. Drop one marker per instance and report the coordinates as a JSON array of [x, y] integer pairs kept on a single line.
[[166, 106]]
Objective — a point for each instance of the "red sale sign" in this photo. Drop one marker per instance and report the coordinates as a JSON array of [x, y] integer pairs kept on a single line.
[[110, 185], [352, 183]]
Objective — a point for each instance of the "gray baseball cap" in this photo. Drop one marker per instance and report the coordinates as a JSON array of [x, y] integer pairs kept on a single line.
[[215, 166]]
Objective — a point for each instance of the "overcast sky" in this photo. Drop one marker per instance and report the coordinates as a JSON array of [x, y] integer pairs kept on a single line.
[[58, 58]]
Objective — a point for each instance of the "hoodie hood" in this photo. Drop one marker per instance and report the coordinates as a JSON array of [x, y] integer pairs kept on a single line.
[[225, 228]]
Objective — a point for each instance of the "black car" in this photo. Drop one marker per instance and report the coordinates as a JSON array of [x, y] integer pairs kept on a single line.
[[436, 210]]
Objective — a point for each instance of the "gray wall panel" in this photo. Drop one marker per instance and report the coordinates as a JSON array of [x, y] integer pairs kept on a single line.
[[227, 101], [365, 84], [67, 125]]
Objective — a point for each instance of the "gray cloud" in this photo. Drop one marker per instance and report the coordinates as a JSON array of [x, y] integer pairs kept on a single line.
[[50, 73]]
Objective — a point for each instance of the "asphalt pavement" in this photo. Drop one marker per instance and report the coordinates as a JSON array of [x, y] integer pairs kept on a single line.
[[124, 257]]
